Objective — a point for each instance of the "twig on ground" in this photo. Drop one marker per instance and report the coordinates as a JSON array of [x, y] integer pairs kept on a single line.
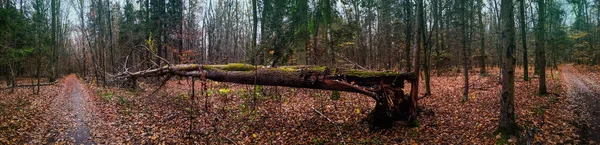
[[229, 139], [348, 60], [424, 96], [163, 83], [332, 122], [35, 85]]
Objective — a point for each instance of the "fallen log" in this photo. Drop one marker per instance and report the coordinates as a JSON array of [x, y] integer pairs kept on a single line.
[[385, 87], [30, 85]]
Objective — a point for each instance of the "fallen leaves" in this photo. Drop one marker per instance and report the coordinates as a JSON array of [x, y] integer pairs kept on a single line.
[[22, 114], [284, 115]]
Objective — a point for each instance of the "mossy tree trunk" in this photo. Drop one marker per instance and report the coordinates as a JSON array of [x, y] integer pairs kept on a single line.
[[384, 87]]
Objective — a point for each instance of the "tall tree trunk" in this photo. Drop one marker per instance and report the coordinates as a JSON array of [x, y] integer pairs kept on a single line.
[[109, 20], [316, 37], [507, 115], [408, 32], [255, 28], [444, 25], [414, 91], [85, 35], [54, 12], [427, 60], [101, 37], [465, 49], [541, 42], [523, 39], [482, 35]]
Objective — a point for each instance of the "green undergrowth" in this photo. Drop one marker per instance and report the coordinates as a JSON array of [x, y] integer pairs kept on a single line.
[[506, 133], [106, 96], [539, 109], [414, 123], [125, 103], [371, 141]]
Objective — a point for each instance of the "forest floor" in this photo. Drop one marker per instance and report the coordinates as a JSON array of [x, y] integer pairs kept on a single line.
[[582, 86], [58, 115], [225, 113]]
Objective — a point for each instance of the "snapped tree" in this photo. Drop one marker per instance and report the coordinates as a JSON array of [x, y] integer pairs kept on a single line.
[[384, 87]]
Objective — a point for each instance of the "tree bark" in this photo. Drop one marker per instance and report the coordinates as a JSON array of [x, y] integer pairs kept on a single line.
[[408, 32], [385, 87], [541, 41], [523, 39], [465, 49], [255, 26], [482, 35], [507, 114], [414, 89], [426, 40], [54, 25]]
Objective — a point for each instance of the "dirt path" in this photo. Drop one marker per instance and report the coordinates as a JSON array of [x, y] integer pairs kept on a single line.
[[585, 94], [70, 112]]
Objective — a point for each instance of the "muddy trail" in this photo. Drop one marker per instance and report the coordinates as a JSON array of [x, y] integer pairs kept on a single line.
[[585, 94], [70, 112]]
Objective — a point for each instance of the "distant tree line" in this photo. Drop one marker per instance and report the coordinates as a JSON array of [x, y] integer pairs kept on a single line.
[[49, 38]]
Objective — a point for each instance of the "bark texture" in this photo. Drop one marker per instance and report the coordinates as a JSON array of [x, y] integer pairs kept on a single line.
[[541, 44], [507, 109], [385, 87]]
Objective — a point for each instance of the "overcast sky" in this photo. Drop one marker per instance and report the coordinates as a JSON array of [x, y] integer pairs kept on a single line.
[[71, 12]]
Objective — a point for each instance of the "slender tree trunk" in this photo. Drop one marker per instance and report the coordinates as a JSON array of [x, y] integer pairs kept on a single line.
[[465, 49], [541, 41], [110, 32], [436, 17], [414, 92], [54, 13], [507, 116], [408, 33], [255, 28], [523, 39], [85, 35], [444, 23], [482, 35], [12, 78], [316, 36]]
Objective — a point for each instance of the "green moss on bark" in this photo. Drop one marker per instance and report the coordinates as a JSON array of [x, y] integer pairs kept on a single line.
[[238, 67], [230, 67]]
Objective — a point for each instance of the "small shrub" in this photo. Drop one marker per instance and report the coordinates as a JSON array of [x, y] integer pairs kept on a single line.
[[224, 91], [106, 97], [553, 99], [124, 102], [320, 141], [539, 109], [373, 141], [415, 123], [335, 95]]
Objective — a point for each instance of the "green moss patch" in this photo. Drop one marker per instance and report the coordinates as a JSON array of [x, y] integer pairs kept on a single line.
[[230, 67]]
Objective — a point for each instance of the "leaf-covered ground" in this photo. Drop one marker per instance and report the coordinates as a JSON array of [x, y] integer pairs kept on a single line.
[[225, 113], [581, 83], [24, 115]]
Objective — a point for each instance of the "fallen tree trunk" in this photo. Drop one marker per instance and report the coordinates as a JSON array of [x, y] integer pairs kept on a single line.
[[34, 85], [385, 87]]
